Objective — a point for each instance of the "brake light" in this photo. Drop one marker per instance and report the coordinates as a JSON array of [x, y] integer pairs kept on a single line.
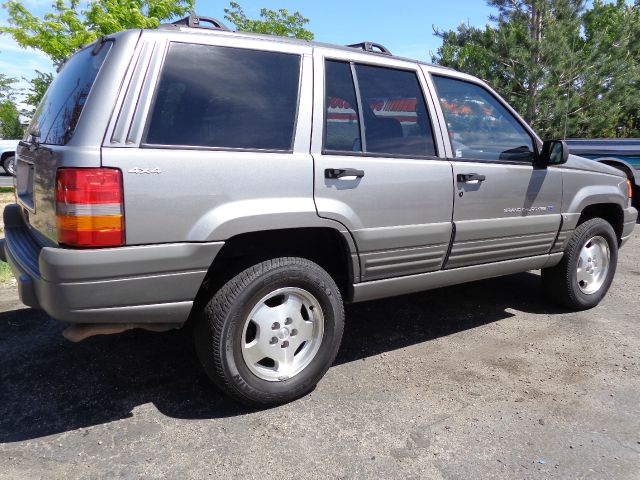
[[630, 189], [89, 207]]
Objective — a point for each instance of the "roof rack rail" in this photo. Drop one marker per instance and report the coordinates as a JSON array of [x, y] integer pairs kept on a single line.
[[370, 46], [196, 21]]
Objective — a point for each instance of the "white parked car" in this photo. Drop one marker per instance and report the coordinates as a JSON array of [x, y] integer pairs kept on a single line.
[[8, 155]]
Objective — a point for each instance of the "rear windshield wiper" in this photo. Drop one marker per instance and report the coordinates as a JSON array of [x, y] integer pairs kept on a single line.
[[99, 44]]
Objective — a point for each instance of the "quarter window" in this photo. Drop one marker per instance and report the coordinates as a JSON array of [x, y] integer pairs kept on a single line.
[[223, 97], [480, 127]]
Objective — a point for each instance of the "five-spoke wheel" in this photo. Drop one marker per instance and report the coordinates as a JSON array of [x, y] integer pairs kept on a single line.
[[593, 265], [586, 271], [282, 334], [271, 332]]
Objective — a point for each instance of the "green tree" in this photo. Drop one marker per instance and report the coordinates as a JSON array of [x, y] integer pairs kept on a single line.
[[608, 95], [272, 22], [37, 87], [528, 55], [10, 126], [567, 70], [67, 27]]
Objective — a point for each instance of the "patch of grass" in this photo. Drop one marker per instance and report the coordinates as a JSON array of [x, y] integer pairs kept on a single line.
[[5, 273], [6, 189]]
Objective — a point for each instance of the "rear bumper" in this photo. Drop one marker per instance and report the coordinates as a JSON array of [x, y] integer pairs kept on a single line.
[[139, 284], [630, 219]]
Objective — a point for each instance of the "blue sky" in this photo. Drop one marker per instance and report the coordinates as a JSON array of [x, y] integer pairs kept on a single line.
[[404, 27]]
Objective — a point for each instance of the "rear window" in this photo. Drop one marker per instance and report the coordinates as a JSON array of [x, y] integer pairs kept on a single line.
[[58, 113], [222, 97]]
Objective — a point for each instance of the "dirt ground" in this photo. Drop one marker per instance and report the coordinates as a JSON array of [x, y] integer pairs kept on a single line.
[[484, 380]]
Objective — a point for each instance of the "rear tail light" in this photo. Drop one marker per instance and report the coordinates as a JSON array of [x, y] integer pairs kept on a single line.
[[89, 207]]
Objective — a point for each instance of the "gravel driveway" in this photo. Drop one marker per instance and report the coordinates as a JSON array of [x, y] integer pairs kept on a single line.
[[483, 380]]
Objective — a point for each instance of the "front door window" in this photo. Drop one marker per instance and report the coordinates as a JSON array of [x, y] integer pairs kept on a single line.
[[480, 127]]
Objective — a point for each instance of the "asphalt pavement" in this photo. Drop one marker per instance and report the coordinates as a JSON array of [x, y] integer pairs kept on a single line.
[[478, 381], [6, 180]]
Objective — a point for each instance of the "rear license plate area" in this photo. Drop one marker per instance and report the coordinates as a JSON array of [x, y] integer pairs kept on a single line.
[[25, 181]]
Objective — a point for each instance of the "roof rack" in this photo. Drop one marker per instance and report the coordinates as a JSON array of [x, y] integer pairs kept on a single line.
[[196, 21], [370, 46]]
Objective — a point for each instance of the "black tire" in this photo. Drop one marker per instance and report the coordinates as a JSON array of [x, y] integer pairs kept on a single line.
[[218, 330], [560, 283], [9, 165]]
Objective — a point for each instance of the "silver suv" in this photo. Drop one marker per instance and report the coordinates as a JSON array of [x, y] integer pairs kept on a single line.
[[249, 185]]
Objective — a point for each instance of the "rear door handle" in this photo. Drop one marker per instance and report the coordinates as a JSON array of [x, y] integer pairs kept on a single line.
[[470, 177], [343, 173]]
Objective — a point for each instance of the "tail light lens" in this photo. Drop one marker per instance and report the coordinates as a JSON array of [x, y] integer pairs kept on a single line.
[[630, 189], [89, 207]]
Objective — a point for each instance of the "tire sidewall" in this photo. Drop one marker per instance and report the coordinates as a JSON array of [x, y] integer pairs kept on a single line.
[[596, 228], [232, 334], [6, 165]]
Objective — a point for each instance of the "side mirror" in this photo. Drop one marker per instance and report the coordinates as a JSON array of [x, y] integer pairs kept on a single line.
[[554, 152]]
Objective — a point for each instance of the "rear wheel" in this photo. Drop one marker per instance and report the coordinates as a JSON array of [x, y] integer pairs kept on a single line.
[[586, 271], [9, 165], [271, 332]]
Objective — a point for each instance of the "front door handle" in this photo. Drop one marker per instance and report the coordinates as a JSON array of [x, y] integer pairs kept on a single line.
[[343, 173], [470, 177]]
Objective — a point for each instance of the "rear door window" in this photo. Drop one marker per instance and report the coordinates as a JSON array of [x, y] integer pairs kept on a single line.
[[389, 104], [222, 97], [394, 112], [57, 115]]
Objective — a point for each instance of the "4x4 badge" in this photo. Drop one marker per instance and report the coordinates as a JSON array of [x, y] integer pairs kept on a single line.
[[139, 170]]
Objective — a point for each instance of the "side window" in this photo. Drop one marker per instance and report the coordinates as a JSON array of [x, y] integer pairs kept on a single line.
[[341, 124], [394, 111], [224, 97], [480, 127]]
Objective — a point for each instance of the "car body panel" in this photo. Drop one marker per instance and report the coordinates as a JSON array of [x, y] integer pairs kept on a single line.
[[399, 212], [514, 213]]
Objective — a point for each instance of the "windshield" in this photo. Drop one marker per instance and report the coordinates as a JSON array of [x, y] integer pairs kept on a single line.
[[58, 113]]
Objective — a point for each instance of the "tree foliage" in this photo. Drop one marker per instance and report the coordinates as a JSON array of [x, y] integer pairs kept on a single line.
[[38, 87], [569, 70], [73, 23], [68, 26], [10, 126], [271, 22]]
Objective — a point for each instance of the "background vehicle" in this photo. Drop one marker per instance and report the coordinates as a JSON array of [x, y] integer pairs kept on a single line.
[[621, 153], [8, 155], [251, 185]]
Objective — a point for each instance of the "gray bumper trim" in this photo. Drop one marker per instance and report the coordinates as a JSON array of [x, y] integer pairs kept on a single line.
[[140, 284]]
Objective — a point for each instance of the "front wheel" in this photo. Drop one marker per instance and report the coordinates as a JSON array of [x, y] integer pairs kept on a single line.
[[583, 277], [269, 334]]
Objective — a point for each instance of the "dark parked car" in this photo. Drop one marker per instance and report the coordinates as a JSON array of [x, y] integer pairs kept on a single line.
[[622, 153]]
